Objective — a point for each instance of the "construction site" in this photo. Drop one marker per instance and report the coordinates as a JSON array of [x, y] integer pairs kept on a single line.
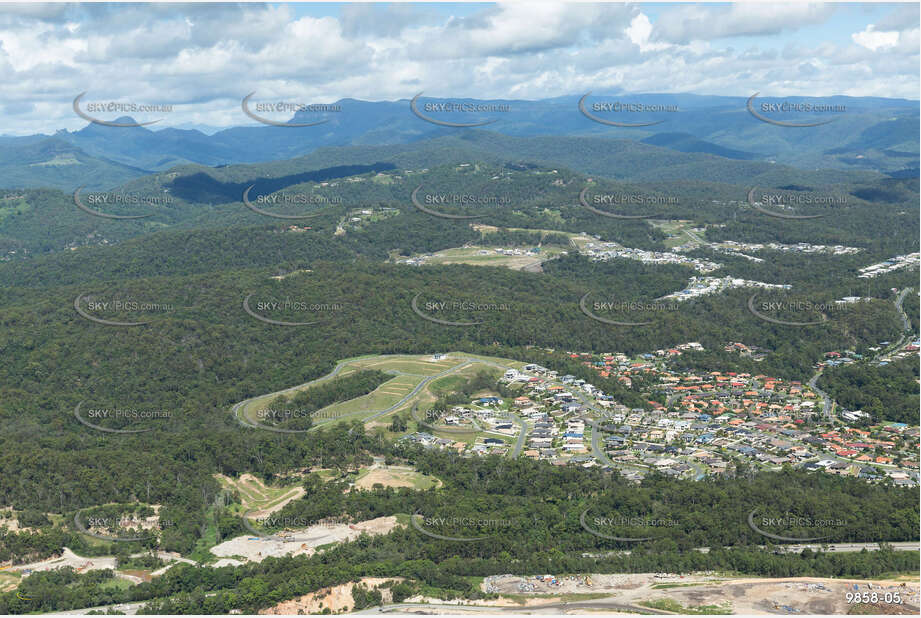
[[714, 593]]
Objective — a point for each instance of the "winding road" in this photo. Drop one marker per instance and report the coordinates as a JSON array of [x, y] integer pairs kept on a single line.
[[425, 381], [828, 403]]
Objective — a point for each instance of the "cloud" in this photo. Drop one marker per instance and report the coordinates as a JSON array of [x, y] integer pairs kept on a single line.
[[874, 39], [707, 23], [204, 58]]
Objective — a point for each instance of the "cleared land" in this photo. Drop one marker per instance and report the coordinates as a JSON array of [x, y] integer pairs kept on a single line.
[[395, 476], [257, 498], [677, 230], [414, 376], [308, 540], [335, 598], [708, 592], [68, 559], [486, 256]]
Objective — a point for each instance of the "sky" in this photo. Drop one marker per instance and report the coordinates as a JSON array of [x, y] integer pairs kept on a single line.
[[203, 58]]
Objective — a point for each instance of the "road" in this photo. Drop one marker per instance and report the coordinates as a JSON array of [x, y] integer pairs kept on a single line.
[[906, 326], [602, 456], [246, 423], [551, 608], [522, 435], [416, 390], [836, 548], [828, 403], [129, 609], [852, 547], [243, 421]]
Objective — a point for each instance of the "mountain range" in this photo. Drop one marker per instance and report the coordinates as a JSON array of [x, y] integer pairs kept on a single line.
[[869, 134]]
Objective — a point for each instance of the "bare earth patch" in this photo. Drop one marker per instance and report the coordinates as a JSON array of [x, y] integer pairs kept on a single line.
[[335, 598], [390, 477], [801, 595], [256, 549]]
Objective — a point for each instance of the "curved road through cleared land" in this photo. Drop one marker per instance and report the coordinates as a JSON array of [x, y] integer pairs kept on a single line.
[[425, 381]]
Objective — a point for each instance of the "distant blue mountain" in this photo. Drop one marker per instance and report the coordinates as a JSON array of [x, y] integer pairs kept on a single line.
[[871, 134]]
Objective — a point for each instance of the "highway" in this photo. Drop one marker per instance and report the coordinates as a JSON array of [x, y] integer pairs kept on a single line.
[[851, 547], [836, 548], [551, 608]]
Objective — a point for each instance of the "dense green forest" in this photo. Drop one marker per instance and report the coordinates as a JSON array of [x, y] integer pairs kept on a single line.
[[204, 263], [205, 354], [534, 509], [886, 392], [296, 412], [875, 213]]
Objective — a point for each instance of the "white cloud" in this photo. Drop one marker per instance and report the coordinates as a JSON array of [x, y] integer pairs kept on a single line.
[[710, 22], [874, 39], [204, 58], [639, 32]]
